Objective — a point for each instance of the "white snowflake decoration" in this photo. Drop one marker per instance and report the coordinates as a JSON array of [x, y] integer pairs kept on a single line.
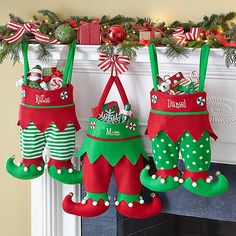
[[109, 116]]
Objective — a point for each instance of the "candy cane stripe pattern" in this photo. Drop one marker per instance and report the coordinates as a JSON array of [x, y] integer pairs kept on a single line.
[[201, 101], [93, 125], [64, 95], [22, 29], [132, 126], [118, 63], [154, 98], [181, 37]]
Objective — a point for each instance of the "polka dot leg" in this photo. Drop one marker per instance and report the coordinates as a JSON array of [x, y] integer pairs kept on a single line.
[[165, 152], [196, 154], [165, 155], [197, 157]]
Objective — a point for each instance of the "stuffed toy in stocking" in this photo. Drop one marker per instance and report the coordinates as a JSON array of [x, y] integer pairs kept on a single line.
[[112, 147], [180, 123], [46, 117]]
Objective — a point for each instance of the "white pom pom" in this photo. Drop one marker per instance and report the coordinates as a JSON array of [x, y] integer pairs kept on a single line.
[[163, 181], [194, 184], [208, 180], [107, 203], [210, 177], [70, 170], [95, 203], [141, 201], [154, 176], [39, 168], [130, 204], [59, 171], [116, 203], [147, 167], [176, 178], [83, 201], [25, 169], [181, 180], [18, 164]]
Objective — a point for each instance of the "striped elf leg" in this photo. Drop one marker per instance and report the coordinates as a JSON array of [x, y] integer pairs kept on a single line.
[[197, 159], [165, 155], [32, 143], [62, 146]]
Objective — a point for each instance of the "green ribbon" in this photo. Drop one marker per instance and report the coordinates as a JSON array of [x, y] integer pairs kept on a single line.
[[203, 66], [154, 65], [187, 90]]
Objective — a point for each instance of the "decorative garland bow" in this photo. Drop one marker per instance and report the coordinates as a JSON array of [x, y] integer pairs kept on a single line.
[[116, 63], [182, 37], [22, 29], [152, 29], [221, 38]]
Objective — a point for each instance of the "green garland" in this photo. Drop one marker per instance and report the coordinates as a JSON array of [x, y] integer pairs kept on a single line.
[[49, 22]]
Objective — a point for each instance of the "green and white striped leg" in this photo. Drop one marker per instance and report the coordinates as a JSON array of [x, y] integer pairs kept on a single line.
[[61, 147], [32, 143], [197, 159]]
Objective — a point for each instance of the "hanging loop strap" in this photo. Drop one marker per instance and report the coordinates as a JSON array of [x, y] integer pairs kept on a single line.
[[203, 66], [24, 46], [111, 81], [154, 65], [69, 65]]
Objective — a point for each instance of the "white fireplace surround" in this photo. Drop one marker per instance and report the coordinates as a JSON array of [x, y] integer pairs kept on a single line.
[[48, 219]]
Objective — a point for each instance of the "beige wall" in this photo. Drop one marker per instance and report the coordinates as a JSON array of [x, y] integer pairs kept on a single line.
[[15, 197]]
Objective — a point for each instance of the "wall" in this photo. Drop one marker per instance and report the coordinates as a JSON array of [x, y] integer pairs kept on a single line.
[[15, 199]]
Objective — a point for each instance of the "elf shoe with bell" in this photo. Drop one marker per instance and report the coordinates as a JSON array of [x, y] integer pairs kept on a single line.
[[197, 159], [165, 155], [94, 204], [133, 206], [64, 172], [26, 169]]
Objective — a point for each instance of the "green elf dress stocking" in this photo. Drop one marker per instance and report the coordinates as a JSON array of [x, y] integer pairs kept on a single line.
[[180, 124], [117, 148], [47, 117]]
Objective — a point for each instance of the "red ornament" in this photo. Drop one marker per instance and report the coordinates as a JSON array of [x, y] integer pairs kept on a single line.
[[116, 34]]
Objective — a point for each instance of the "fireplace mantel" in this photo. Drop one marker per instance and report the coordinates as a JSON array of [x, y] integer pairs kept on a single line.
[[89, 81], [48, 219]]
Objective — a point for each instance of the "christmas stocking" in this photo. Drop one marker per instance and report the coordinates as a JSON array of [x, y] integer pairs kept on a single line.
[[118, 148], [47, 117], [180, 123]]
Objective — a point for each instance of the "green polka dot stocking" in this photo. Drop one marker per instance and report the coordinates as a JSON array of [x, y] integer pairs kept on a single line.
[[165, 155], [196, 154], [165, 152]]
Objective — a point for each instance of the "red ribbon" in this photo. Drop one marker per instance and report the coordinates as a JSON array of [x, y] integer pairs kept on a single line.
[[221, 38], [152, 29], [116, 62], [182, 37], [55, 73], [22, 29]]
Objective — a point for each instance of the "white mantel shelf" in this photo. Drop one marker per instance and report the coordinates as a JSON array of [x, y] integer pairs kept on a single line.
[[48, 219]]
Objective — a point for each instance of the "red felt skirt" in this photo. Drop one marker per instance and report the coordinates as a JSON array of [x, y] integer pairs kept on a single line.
[[175, 114]]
